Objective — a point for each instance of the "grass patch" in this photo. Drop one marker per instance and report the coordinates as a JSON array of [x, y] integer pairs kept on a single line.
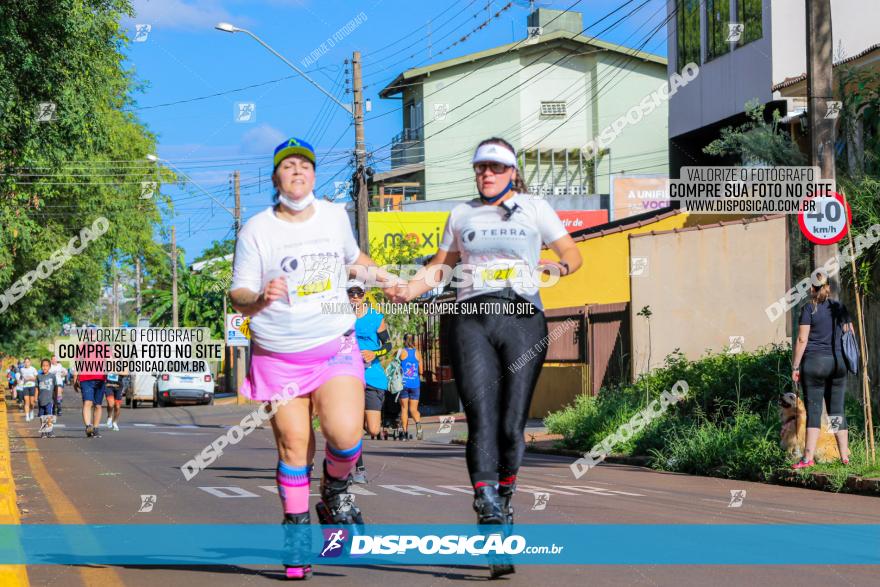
[[728, 425]]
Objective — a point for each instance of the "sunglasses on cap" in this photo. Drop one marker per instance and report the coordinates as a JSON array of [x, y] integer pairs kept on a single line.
[[355, 293], [494, 166]]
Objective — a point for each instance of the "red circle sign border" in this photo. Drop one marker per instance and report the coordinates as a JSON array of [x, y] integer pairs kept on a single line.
[[826, 241]]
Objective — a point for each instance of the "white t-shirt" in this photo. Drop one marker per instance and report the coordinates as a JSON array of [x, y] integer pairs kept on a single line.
[[313, 256], [498, 253], [60, 373], [29, 376]]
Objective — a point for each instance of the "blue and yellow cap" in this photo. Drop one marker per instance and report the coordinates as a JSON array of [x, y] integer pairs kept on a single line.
[[293, 146]]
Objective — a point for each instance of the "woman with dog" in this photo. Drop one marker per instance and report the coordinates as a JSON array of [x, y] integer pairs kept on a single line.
[[818, 364]]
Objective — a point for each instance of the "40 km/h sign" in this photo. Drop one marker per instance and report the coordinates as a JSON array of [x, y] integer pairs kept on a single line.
[[828, 222]]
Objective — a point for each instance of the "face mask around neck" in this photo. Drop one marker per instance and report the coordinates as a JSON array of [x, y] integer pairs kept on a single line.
[[297, 206]]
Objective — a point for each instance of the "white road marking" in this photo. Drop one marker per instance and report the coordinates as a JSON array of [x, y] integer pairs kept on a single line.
[[598, 490], [144, 425], [228, 492], [414, 490], [466, 489], [179, 433], [274, 490], [358, 490], [419, 491], [536, 489]]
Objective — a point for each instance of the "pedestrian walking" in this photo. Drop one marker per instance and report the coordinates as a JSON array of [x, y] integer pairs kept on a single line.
[[412, 370], [818, 364]]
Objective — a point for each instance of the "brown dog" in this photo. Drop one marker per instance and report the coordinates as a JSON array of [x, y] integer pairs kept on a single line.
[[794, 431]]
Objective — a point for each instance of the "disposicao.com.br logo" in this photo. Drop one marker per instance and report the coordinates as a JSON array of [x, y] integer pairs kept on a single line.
[[476, 545]]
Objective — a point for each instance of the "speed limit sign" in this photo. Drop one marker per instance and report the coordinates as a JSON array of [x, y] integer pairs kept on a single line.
[[828, 220]]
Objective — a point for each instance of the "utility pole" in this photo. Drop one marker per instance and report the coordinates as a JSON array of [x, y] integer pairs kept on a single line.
[[237, 183], [360, 155], [115, 296], [174, 322], [137, 288], [238, 353], [820, 89]]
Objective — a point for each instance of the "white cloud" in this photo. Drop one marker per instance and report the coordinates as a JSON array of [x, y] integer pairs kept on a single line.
[[183, 14], [261, 140]]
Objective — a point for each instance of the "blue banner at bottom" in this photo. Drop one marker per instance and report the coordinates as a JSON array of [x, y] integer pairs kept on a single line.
[[571, 544]]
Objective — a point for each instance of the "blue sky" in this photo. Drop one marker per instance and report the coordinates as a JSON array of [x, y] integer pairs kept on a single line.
[[184, 59]]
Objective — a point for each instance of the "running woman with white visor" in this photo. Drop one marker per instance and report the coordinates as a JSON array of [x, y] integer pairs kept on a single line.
[[498, 238], [290, 261]]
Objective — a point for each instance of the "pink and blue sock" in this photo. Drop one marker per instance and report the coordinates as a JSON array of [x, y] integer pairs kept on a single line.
[[293, 487], [340, 462]]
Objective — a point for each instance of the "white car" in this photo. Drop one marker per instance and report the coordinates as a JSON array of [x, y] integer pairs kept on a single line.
[[184, 387]]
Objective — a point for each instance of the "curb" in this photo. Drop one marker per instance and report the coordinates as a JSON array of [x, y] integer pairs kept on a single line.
[[816, 481], [12, 575]]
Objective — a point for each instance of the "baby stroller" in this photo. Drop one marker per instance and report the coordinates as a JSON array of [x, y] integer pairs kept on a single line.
[[391, 417]]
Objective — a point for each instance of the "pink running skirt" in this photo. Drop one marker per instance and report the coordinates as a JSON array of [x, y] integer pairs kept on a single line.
[[299, 374]]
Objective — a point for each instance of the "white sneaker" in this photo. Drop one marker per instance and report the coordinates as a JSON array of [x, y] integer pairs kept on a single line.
[[109, 422], [115, 426]]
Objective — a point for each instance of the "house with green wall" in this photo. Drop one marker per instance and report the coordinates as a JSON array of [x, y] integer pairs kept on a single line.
[[549, 94]]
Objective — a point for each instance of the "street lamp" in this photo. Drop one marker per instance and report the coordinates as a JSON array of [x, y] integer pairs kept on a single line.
[[354, 110], [228, 28]]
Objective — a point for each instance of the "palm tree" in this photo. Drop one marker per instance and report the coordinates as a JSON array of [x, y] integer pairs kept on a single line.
[[199, 301]]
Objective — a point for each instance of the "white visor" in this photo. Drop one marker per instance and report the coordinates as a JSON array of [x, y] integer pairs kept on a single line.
[[494, 153]]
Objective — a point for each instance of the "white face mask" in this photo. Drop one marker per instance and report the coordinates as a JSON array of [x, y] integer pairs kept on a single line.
[[297, 206]]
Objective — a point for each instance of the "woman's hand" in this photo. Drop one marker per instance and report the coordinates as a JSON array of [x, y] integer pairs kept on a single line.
[[275, 290], [545, 264], [400, 293], [368, 356], [796, 375]]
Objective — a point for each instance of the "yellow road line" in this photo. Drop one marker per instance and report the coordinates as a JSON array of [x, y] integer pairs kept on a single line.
[[12, 575], [65, 512]]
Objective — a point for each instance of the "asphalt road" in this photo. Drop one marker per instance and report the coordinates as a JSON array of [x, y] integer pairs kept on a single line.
[[74, 480]]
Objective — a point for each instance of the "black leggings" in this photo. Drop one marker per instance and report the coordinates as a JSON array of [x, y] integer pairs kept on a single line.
[[824, 380], [496, 360]]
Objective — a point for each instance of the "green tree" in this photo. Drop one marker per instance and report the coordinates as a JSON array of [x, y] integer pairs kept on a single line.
[[217, 250], [64, 165], [404, 251], [199, 302], [757, 142]]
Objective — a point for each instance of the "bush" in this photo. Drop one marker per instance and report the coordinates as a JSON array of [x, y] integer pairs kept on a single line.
[[744, 446]]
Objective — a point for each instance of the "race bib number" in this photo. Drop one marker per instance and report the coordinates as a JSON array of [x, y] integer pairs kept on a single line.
[[313, 278], [498, 274], [30, 383]]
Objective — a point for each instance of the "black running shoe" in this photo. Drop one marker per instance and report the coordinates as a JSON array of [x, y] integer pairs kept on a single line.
[[297, 546], [89, 431], [337, 504]]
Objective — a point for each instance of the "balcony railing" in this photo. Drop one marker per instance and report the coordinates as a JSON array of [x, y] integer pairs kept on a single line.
[[407, 147]]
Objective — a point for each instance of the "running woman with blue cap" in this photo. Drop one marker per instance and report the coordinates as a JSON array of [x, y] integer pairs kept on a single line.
[[498, 239], [290, 265]]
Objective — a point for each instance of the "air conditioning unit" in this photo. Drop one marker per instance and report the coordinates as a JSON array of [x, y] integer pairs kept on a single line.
[[553, 109]]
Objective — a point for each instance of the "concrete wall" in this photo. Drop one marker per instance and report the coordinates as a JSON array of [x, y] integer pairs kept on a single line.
[[604, 277], [640, 148], [704, 286]]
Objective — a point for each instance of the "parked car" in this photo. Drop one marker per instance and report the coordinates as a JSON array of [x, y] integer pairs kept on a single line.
[[184, 387]]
